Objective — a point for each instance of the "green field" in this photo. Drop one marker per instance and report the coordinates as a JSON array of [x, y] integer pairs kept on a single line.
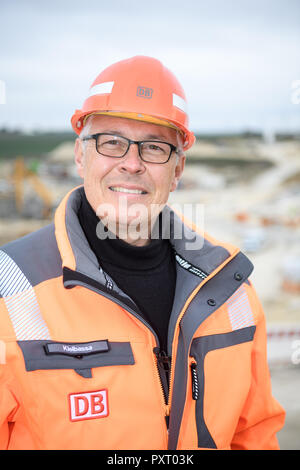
[[13, 144]]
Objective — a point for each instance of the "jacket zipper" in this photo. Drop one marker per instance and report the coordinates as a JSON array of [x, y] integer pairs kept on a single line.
[[163, 363]]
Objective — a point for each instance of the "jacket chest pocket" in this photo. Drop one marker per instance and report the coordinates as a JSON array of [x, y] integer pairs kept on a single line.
[[71, 391], [199, 349], [81, 357]]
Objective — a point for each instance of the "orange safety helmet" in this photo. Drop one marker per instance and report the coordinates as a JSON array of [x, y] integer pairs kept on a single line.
[[139, 88]]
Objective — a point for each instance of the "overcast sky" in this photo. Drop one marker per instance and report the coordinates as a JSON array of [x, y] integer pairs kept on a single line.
[[236, 59]]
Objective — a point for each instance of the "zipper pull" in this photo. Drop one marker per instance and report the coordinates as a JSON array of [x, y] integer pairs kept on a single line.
[[167, 416], [163, 359], [164, 367], [195, 381]]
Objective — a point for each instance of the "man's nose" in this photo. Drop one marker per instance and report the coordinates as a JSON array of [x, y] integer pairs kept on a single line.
[[132, 161]]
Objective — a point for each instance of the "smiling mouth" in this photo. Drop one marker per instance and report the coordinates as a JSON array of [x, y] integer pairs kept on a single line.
[[120, 189]]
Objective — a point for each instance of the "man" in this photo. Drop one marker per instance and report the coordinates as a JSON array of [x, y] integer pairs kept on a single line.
[[115, 333]]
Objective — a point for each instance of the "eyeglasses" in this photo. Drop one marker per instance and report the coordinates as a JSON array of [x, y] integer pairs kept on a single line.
[[115, 146]]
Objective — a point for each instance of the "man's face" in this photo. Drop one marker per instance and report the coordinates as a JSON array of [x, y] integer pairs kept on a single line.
[[106, 179]]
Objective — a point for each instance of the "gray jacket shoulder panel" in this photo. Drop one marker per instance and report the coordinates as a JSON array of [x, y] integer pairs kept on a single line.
[[36, 255]]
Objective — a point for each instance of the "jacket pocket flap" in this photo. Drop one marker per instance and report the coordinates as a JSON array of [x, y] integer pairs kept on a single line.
[[36, 356]]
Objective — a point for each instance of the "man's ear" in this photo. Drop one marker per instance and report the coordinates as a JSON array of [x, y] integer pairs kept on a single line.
[[79, 157], [178, 171]]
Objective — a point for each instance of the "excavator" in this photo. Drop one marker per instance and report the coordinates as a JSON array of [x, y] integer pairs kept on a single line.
[[21, 174]]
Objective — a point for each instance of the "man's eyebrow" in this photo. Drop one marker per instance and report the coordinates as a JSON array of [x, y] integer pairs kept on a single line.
[[155, 136], [145, 137], [111, 131]]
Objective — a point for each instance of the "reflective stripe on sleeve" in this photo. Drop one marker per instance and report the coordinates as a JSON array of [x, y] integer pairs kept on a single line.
[[239, 310], [21, 302]]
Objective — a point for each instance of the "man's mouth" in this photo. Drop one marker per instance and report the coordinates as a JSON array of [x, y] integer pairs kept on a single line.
[[120, 189]]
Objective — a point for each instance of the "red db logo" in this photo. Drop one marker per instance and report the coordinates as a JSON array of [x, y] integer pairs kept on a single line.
[[88, 405]]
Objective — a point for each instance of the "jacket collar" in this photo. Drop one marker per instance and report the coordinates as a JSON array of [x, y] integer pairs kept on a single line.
[[191, 247]]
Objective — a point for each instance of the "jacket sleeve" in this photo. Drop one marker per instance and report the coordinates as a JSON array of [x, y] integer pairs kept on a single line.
[[262, 416], [8, 406]]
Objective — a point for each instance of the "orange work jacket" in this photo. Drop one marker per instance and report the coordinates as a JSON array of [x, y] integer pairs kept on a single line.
[[81, 369]]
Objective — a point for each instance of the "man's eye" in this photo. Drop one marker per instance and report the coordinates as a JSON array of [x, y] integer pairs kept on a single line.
[[154, 148], [113, 142], [113, 145]]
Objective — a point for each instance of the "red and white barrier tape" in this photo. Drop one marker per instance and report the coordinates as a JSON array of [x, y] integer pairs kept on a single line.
[[283, 334]]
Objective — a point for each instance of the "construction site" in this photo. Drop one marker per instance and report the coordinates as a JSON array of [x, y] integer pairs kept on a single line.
[[249, 188]]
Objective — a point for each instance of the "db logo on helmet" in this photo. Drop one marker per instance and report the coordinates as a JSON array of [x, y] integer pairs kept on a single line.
[[144, 92]]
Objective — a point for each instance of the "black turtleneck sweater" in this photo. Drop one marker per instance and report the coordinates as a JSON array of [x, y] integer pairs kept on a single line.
[[147, 274]]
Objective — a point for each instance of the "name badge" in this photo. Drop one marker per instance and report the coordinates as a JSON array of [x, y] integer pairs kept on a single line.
[[77, 349]]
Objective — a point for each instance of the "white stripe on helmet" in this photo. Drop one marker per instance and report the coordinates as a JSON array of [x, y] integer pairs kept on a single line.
[[101, 88], [179, 102]]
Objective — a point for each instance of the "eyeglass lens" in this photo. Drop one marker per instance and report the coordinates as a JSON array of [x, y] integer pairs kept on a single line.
[[117, 146]]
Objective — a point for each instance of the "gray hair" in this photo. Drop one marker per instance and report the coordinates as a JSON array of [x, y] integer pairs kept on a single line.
[[87, 127], [86, 131]]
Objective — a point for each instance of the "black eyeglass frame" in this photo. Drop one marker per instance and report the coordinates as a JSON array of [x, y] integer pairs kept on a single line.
[[137, 142]]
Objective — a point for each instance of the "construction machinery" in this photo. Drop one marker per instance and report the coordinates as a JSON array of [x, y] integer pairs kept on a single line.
[[21, 174]]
